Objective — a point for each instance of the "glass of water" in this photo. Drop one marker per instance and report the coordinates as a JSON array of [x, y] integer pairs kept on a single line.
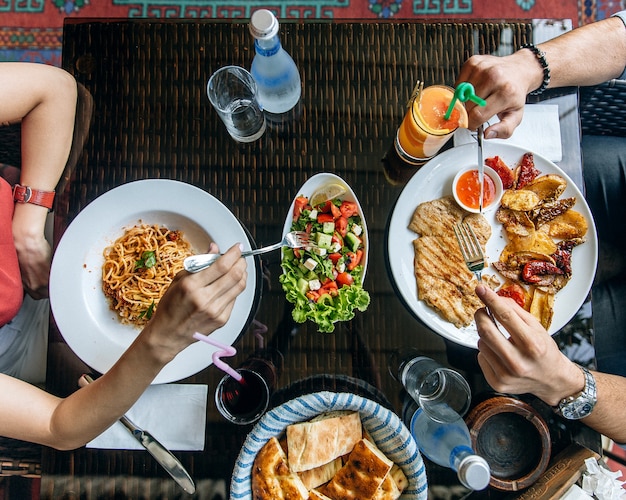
[[233, 93]]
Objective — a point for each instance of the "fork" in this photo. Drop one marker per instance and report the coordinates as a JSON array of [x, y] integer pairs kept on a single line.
[[470, 248], [294, 239], [474, 257]]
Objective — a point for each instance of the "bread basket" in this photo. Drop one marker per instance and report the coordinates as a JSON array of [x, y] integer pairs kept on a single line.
[[386, 429]]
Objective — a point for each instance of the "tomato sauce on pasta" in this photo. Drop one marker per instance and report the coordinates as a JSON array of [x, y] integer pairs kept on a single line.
[[138, 268]]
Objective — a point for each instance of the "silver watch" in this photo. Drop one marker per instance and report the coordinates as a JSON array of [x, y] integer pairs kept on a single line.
[[580, 405]]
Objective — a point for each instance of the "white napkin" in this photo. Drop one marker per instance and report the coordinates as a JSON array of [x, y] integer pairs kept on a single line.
[[175, 414], [539, 132]]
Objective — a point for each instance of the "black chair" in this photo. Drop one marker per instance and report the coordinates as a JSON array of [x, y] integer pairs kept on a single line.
[[603, 109]]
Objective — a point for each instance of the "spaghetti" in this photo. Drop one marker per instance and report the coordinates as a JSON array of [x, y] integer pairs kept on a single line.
[[138, 268]]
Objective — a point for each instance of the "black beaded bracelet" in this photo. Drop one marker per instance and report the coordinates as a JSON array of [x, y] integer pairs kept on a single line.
[[541, 57]]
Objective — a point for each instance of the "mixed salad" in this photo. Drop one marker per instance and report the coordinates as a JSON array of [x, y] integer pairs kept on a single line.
[[324, 281]]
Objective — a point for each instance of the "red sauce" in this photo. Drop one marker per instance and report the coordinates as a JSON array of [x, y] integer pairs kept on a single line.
[[468, 189]]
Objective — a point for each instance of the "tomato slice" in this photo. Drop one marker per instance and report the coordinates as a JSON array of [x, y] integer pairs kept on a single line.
[[334, 257], [325, 217], [325, 207], [344, 279], [348, 208], [341, 226], [300, 203], [354, 258], [329, 288]]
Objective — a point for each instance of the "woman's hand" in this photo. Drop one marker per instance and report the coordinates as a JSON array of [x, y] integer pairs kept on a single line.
[[33, 250], [200, 302], [529, 361]]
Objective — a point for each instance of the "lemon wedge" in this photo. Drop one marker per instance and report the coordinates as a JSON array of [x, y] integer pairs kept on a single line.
[[326, 192]]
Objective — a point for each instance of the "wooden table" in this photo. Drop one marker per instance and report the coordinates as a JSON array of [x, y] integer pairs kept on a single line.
[[152, 120]]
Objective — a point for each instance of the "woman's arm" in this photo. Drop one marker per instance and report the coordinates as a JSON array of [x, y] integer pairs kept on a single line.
[[43, 98], [199, 302]]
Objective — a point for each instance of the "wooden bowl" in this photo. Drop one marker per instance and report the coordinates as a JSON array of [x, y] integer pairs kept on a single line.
[[513, 438]]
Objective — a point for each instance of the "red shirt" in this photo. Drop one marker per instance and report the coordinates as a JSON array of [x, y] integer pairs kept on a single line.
[[11, 291]]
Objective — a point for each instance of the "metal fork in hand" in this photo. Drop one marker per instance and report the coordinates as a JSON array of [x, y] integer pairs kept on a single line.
[[470, 248], [473, 256], [294, 239]]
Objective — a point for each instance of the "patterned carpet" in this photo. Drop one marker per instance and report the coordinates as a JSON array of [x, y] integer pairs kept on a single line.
[[32, 30]]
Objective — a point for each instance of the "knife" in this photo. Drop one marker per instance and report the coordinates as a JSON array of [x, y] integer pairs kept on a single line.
[[481, 168], [161, 454]]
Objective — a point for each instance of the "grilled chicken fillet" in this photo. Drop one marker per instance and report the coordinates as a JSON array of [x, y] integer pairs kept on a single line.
[[443, 280]]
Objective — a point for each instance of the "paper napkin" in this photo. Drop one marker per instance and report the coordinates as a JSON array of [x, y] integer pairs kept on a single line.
[[175, 414], [539, 132]]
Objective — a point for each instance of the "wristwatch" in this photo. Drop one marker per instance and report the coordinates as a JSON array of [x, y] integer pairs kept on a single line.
[[580, 405], [26, 194]]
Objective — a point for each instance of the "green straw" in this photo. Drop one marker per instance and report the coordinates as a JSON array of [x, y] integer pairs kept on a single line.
[[463, 92]]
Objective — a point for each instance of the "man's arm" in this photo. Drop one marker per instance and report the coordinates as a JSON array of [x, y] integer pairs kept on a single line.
[[588, 55], [531, 362]]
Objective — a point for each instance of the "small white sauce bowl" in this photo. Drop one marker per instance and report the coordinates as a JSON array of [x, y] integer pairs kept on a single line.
[[496, 181]]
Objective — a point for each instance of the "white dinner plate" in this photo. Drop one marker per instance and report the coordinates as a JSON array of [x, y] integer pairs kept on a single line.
[[81, 310], [433, 181]]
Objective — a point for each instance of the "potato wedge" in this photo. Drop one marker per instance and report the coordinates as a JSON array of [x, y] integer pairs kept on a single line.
[[547, 187], [521, 200], [571, 224], [537, 242], [542, 306]]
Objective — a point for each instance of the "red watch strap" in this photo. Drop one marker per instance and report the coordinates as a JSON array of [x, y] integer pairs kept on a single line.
[[26, 194]]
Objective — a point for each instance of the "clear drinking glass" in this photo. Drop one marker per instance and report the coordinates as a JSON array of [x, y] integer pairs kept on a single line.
[[233, 93], [440, 391], [424, 130], [242, 402]]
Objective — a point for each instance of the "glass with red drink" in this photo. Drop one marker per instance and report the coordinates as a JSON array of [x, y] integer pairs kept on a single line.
[[242, 402]]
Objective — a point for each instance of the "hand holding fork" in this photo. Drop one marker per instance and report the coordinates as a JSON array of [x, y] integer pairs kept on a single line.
[[294, 239]]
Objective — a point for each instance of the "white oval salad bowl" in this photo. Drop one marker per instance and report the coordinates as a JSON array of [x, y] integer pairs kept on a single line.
[[354, 241]]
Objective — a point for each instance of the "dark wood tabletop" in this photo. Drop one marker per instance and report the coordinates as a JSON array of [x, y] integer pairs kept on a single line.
[[152, 119]]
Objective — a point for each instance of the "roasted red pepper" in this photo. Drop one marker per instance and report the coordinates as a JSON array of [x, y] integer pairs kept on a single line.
[[503, 171], [527, 171], [534, 269], [515, 292]]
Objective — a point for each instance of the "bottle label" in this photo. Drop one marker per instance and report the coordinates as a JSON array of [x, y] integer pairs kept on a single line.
[[458, 450], [266, 52]]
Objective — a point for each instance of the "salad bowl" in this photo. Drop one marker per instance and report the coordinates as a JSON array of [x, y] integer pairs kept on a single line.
[[326, 283]]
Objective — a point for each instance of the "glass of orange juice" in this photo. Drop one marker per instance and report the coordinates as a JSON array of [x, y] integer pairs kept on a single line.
[[424, 129]]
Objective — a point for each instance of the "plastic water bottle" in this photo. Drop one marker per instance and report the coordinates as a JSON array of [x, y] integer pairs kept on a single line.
[[440, 391], [273, 69], [449, 445]]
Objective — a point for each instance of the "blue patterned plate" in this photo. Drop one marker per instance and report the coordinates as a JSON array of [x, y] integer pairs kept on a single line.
[[386, 429]]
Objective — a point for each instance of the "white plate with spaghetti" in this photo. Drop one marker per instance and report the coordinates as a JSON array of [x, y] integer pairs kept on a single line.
[[433, 181], [80, 308]]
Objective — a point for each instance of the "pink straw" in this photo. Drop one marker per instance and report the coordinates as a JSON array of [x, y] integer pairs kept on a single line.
[[223, 350]]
